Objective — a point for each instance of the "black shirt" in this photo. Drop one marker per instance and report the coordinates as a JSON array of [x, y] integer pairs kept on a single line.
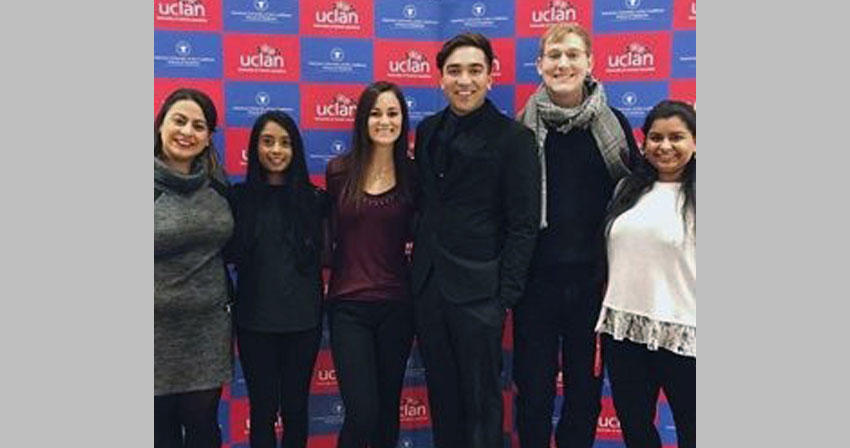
[[578, 188], [273, 295]]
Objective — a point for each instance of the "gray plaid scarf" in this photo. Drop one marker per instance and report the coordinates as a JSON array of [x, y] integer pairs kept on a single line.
[[540, 114]]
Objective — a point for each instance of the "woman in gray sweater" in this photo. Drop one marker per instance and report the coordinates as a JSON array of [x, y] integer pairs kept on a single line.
[[192, 222]]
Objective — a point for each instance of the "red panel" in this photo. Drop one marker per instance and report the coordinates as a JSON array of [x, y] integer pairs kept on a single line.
[[684, 90], [632, 57], [324, 379], [534, 16], [236, 151], [329, 106], [188, 15], [685, 14], [521, 94], [414, 411], [337, 18], [505, 60], [261, 57], [407, 62], [162, 87]]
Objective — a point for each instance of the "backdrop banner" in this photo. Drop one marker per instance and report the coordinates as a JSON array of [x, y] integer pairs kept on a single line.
[[312, 58]]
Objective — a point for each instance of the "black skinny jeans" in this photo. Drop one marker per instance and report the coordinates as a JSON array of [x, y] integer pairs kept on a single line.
[[370, 343], [278, 368], [557, 315], [195, 412], [637, 374]]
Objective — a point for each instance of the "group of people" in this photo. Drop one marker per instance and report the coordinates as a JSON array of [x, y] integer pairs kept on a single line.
[[556, 214]]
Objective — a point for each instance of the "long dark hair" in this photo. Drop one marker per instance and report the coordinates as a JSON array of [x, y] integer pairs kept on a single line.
[[356, 160], [210, 115], [644, 174], [301, 206]]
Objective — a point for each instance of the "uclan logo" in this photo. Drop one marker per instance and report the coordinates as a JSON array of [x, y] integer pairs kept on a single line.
[[558, 11], [636, 55], [265, 57], [497, 66], [341, 14], [609, 423], [412, 408], [414, 62], [326, 375], [340, 106], [183, 8], [694, 10]]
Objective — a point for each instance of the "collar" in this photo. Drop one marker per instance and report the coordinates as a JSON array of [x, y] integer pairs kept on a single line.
[[468, 121]]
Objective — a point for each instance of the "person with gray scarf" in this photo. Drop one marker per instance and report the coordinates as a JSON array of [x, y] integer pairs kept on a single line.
[[584, 147], [192, 223]]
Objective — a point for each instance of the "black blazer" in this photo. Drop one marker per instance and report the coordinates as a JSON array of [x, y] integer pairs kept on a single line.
[[478, 226]]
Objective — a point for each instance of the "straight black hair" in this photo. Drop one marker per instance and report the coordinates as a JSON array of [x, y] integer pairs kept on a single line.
[[644, 174], [302, 210]]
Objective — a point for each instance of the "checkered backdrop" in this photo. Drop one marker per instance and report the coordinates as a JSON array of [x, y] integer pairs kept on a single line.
[[312, 59]]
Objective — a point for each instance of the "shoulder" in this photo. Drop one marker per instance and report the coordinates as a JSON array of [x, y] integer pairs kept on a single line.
[[624, 122], [510, 131], [336, 166], [429, 122], [335, 174]]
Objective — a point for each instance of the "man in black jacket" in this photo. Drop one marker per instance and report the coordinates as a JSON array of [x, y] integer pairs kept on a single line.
[[480, 211]]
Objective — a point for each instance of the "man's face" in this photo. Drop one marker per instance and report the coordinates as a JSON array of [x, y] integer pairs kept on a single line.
[[466, 79], [564, 65]]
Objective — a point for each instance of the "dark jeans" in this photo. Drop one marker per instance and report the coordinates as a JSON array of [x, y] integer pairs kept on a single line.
[[195, 412], [637, 374], [278, 368], [558, 314], [461, 347], [370, 343]]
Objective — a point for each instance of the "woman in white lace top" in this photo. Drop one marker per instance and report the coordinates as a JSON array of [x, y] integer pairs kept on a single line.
[[648, 319]]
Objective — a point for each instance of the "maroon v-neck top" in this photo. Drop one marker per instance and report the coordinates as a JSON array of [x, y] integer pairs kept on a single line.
[[369, 262]]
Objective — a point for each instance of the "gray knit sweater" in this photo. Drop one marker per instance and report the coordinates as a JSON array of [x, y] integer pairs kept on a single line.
[[192, 335]]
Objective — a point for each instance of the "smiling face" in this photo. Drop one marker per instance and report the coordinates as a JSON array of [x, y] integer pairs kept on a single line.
[[669, 146], [466, 79], [184, 133], [385, 120], [274, 149], [563, 66]]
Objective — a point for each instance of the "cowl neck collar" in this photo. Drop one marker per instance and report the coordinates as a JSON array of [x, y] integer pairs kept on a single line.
[[168, 178]]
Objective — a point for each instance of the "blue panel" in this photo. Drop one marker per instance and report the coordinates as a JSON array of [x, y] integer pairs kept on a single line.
[[336, 60], [632, 15], [261, 16], [248, 100], [179, 54]]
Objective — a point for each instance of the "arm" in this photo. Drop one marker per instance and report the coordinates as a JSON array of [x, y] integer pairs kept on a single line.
[[633, 152], [520, 189], [329, 223]]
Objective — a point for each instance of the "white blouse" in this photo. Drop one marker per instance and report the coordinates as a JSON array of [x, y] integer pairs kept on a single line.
[[652, 281]]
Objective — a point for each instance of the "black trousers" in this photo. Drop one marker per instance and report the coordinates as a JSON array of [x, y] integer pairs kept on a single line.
[[461, 347], [194, 414], [370, 343], [637, 374], [278, 368], [557, 314]]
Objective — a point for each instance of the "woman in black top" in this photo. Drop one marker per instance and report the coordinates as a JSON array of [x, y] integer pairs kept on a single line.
[[370, 314], [276, 250]]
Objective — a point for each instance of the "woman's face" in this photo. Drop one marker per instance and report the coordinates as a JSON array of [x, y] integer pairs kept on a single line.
[[184, 132], [274, 150], [669, 146], [385, 120]]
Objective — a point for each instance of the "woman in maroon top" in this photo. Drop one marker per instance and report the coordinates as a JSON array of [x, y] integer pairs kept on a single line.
[[370, 314]]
